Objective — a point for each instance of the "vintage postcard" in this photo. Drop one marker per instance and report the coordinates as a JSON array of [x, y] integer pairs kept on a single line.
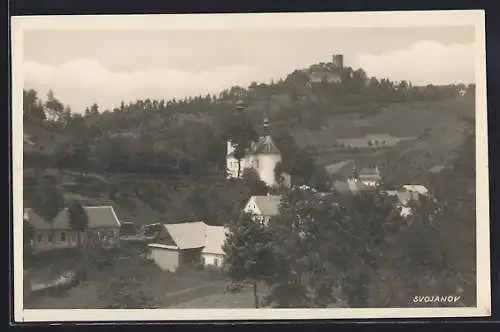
[[250, 166]]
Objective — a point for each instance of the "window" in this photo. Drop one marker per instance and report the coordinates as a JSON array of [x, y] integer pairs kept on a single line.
[[63, 236], [51, 238], [203, 260], [40, 238]]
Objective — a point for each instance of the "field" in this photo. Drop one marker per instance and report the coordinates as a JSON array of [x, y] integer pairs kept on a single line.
[[437, 127], [182, 289]]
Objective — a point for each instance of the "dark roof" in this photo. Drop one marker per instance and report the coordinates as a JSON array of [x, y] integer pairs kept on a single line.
[[265, 145], [99, 217]]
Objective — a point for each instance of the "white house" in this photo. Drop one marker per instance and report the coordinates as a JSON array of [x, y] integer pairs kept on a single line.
[[263, 207], [416, 188], [212, 253], [188, 244], [262, 156], [406, 195], [369, 176], [103, 225]]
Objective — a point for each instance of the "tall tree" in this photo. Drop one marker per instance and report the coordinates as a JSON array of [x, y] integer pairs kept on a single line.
[[48, 202], [32, 107], [240, 131], [78, 220], [252, 181], [248, 252], [54, 107], [316, 239]]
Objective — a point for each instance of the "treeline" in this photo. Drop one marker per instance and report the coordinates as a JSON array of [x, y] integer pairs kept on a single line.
[[359, 251], [186, 138]]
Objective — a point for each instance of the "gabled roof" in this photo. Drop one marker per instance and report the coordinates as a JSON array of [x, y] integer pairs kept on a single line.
[[99, 217], [215, 238], [264, 145], [337, 167], [369, 171], [349, 187], [188, 235], [418, 188], [268, 205]]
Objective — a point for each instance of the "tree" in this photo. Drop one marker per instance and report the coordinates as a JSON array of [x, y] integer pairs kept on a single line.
[[32, 107], [252, 181], [126, 290], [248, 252], [316, 239], [240, 131], [47, 202], [54, 107], [78, 220], [436, 251]]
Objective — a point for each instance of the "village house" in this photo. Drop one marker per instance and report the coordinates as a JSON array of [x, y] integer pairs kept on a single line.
[[103, 227], [188, 244], [405, 195], [262, 156], [350, 186], [369, 176], [263, 207]]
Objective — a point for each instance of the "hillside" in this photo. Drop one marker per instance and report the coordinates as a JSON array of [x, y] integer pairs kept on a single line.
[[165, 160]]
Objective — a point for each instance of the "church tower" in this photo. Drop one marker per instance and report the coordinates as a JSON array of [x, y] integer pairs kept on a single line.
[[266, 156]]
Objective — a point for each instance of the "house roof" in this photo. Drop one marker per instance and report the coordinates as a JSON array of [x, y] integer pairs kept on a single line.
[[369, 171], [422, 190], [405, 197], [188, 235], [99, 217], [349, 187], [268, 205], [337, 167], [264, 145], [215, 237]]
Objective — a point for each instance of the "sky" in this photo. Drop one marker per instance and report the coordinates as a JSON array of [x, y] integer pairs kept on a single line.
[[108, 66]]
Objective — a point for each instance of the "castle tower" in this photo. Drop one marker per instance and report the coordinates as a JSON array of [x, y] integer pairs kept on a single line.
[[338, 61]]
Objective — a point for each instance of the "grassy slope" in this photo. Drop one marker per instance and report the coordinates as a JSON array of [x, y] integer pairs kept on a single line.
[[437, 123]]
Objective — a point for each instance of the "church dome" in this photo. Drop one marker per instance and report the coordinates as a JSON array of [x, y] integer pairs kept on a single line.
[[265, 145]]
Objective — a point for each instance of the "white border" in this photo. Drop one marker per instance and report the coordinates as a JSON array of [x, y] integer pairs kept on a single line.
[[257, 21]]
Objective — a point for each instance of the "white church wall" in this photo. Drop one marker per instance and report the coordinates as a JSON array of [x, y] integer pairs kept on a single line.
[[267, 163]]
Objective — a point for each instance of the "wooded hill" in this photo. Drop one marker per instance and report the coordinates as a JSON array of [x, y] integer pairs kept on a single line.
[[165, 159]]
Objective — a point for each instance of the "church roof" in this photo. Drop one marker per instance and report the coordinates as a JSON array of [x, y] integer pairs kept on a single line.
[[265, 145]]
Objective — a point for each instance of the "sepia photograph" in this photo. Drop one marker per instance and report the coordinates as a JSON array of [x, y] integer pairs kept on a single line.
[[250, 166]]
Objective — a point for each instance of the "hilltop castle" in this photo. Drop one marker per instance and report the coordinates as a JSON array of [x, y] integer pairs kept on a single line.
[[330, 72]]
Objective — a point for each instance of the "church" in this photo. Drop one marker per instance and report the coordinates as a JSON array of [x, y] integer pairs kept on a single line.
[[262, 156]]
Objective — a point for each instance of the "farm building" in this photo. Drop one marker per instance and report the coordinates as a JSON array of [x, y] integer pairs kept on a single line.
[[188, 244], [103, 227]]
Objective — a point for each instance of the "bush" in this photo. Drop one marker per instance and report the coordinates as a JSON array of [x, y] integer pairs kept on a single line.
[[234, 287]]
